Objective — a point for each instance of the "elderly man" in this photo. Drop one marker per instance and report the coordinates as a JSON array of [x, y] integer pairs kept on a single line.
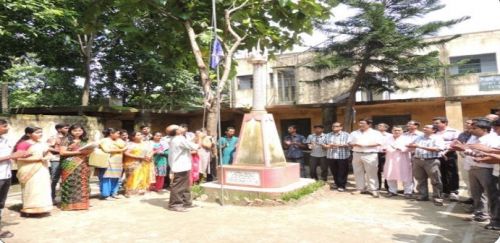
[[179, 158], [398, 163], [426, 164], [365, 144]]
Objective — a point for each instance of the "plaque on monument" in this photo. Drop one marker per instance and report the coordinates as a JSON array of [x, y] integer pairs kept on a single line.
[[246, 178]]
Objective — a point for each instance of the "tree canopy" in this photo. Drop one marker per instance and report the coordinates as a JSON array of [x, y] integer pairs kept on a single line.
[[382, 44]]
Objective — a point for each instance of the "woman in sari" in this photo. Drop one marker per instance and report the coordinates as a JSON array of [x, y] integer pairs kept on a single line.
[[75, 171], [137, 165], [109, 177], [160, 155], [33, 173]]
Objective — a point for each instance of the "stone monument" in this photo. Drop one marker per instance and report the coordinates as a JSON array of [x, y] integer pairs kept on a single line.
[[259, 165]]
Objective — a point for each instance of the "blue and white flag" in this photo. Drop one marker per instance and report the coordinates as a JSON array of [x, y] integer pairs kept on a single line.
[[217, 54]]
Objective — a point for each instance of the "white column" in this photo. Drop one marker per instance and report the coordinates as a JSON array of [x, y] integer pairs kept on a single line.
[[259, 80]]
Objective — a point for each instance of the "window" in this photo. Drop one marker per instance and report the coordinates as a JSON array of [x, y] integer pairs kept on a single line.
[[286, 83], [245, 82], [483, 63]]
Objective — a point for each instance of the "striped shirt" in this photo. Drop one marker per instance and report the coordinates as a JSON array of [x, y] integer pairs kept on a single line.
[[431, 141], [340, 138], [315, 142]]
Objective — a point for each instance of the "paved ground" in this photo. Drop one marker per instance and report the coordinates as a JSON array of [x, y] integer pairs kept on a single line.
[[326, 216]]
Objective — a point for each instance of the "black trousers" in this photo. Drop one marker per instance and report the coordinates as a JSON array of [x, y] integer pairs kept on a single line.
[[313, 165], [167, 178], [339, 169], [180, 193], [4, 190], [449, 173], [381, 163]]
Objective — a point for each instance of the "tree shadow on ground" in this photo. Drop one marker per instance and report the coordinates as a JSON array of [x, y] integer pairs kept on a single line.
[[448, 223]]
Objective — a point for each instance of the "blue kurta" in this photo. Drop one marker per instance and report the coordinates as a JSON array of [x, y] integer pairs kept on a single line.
[[228, 148]]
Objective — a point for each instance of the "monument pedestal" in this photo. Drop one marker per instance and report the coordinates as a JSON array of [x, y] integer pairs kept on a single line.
[[260, 176]]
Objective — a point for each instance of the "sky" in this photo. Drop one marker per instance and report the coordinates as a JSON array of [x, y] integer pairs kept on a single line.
[[484, 15]]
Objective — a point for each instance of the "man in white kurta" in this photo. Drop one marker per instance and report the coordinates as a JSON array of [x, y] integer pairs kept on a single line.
[[398, 162]]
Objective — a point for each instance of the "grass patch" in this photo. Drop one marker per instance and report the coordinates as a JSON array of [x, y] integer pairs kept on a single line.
[[197, 191], [304, 191]]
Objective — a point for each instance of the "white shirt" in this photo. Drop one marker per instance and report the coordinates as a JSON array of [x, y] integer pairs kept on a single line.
[[179, 155], [369, 136], [413, 136], [5, 165], [489, 140]]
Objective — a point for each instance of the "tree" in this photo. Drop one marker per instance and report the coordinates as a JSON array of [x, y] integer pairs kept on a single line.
[[381, 45], [23, 23], [276, 24]]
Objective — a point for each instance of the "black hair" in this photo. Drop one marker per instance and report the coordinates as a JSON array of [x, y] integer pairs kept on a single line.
[[367, 120], [183, 125], [83, 137], [108, 131], [132, 134], [173, 132], [27, 132], [320, 126], [416, 123], [293, 126], [61, 125], [229, 128], [154, 134], [3, 122], [442, 119], [482, 123], [143, 126]]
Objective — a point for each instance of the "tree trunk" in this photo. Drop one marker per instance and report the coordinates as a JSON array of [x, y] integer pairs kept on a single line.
[[5, 97], [212, 121], [351, 100], [86, 50]]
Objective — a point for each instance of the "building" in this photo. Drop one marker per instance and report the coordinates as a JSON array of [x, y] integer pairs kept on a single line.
[[295, 96]]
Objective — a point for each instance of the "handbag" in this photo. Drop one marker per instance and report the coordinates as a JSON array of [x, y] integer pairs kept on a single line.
[[99, 159]]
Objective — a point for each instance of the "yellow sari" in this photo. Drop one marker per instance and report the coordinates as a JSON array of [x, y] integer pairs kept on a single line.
[[35, 180], [139, 176]]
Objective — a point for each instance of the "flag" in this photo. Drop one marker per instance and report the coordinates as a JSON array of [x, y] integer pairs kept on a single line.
[[217, 54]]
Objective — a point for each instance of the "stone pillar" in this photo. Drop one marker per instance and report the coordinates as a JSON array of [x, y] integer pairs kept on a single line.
[[258, 60]]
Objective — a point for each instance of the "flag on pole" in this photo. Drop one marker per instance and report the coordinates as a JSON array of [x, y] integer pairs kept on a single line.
[[217, 54]]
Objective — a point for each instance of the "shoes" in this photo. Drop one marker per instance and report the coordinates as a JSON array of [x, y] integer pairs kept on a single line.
[[391, 194], [438, 201], [177, 209], [340, 189], [408, 196], [454, 197], [364, 192], [491, 226], [480, 218], [422, 199], [467, 201], [375, 194], [6, 234], [191, 206], [117, 196]]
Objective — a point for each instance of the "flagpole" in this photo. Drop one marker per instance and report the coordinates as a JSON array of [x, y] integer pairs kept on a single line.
[[214, 31]]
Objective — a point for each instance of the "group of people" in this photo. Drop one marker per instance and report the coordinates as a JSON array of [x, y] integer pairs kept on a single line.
[[410, 157], [138, 162], [142, 161]]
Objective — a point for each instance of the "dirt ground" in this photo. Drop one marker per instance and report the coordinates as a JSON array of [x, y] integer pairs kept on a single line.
[[325, 216]]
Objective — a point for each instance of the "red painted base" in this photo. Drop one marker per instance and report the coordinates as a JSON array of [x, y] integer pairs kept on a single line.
[[260, 176]]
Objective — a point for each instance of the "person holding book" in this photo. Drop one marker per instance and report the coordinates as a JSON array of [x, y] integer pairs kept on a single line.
[[109, 177], [75, 170]]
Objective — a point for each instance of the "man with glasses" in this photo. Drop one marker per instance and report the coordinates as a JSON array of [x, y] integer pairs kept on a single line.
[[426, 164], [412, 130], [337, 154]]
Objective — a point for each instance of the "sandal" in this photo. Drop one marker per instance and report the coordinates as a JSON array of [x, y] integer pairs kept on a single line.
[[6, 234], [492, 227]]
